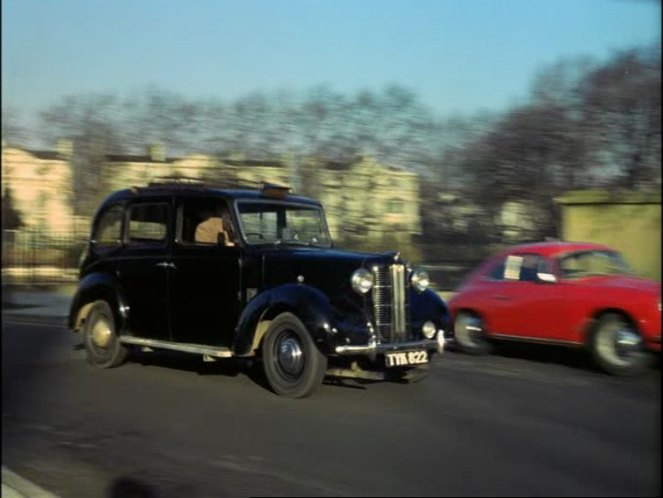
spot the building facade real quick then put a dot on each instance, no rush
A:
(363, 198)
(369, 200)
(39, 183)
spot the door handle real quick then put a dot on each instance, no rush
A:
(166, 264)
(501, 297)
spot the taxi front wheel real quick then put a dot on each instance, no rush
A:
(293, 365)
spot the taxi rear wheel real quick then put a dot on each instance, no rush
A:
(102, 343)
(292, 363)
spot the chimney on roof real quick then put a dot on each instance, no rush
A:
(65, 148)
(157, 152)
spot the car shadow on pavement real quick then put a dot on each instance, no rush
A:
(129, 487)
(230, 367)
(576, 358)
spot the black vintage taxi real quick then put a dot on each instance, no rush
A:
(243, 273)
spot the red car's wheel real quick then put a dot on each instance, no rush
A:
(617, 347)
(469, 333)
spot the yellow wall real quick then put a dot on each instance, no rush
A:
(628, 222)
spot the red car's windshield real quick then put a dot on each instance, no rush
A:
(581, 264)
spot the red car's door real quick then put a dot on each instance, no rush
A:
(493, 296)
(523, 305)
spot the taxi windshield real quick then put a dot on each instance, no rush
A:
(283, 223)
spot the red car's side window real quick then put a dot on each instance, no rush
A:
(496, 272)
(519, 267)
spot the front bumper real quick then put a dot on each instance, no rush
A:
(654, 343)
(373, 348)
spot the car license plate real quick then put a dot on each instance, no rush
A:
(404, 358)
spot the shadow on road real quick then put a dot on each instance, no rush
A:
(129, 487)
(578, 359)
(544, 353)
(230, 367)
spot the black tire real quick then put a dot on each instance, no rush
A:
(470, 334)
(102, 343)
(617, 347)
(292, 363)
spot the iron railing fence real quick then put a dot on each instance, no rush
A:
(35, 257)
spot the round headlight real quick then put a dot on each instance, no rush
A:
(420, 280)
(429, 330)
(362, 281)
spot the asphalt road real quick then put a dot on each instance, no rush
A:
(523, 422)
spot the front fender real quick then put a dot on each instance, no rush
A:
(426, 306)
(94, 287)
(309, 304)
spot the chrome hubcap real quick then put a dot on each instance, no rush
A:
(290, 356)
(470, 329)
(626, 343)
(101, 334)
(622, 346)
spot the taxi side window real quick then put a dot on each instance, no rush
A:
(148, 223)
(205, 222)
(108, 232)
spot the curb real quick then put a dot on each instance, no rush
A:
(27, 319)
(15, 486)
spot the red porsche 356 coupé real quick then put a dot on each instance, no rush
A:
(573, 294)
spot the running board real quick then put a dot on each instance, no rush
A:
(216, 352)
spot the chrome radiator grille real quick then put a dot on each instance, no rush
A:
(391, 304)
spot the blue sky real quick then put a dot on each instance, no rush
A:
(459, 56)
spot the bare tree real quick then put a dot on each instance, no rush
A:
(622, 116)
(13, 130)
(88, 121)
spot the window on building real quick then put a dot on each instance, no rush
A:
(42, 201)
(395, 206)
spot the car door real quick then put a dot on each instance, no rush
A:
(205, 280)
(143, 271)
(495, 294)
(528, 307)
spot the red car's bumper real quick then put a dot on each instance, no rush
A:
(654, 343)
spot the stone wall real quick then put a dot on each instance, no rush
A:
(628, 221)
